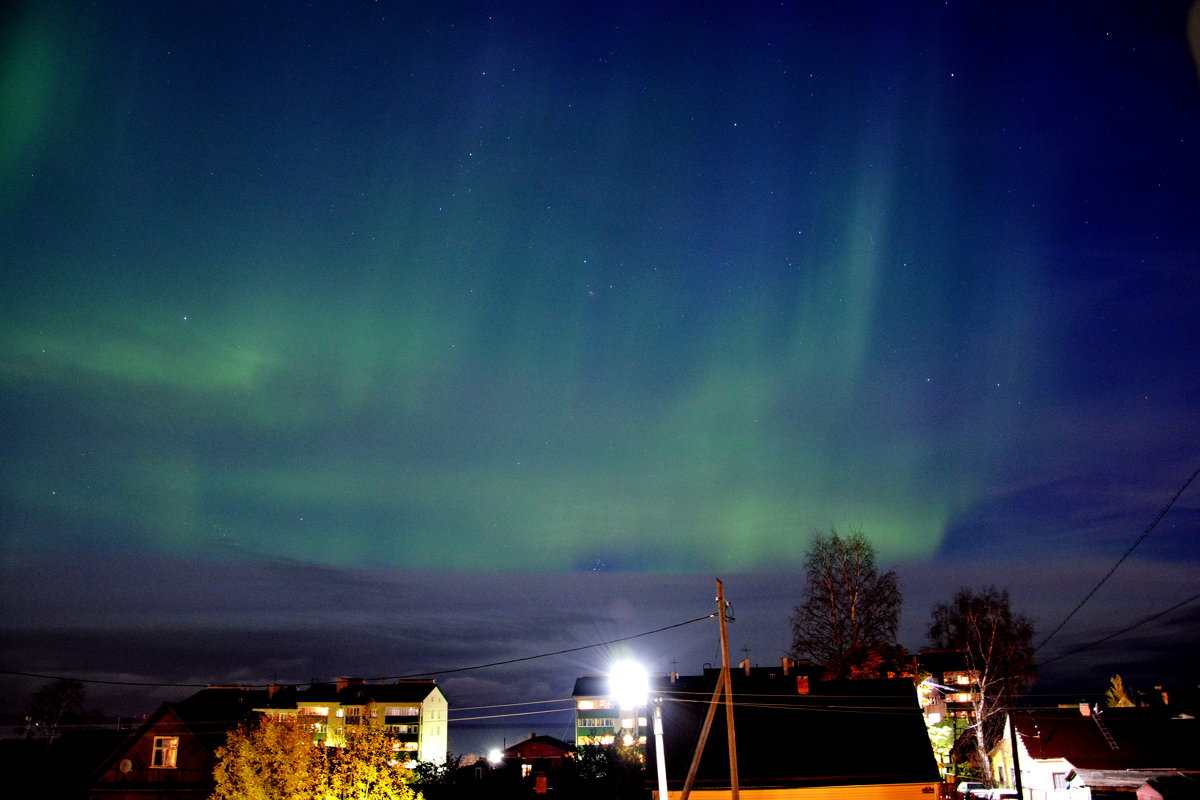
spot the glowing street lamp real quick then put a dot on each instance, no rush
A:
(629, 685)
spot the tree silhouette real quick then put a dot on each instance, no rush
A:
(850, 613)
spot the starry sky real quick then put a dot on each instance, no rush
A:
(523, 320)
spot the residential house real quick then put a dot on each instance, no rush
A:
(416, 711)
(540, 758)
(172, 754)
(796, 736)
(1080, 752)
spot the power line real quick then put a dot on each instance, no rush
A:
(1121, 560)
(386, 677)
(1115, 634)
(542, 655)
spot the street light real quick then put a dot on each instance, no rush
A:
(629, 685)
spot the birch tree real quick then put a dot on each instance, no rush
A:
(998, 648)
(850, 612)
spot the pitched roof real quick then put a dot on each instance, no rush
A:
(786, 739)
(538, 746)
(1141, 738)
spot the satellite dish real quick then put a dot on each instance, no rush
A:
(126, 765)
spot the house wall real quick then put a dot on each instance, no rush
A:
(896, 791)
(1037, 775)
(434, 737)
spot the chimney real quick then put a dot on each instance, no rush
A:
(787, 665)
(801, 684)
(272, 690)
(1085, 710)
(674, 676)
(744, 664)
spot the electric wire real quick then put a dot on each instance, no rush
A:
(1126, 629)
(386, 677)
(1121, 560)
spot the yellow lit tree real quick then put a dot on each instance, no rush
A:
(269, 760)
(278, 760)
(367, 767)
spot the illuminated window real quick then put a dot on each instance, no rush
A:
(960, 697)
(641, 722)
(628, 740)
(627, 722)
(963, 680)
(166, 749)
(401, 711)
(607, 739)
(586, 705)
(353, 711)
(341, 712)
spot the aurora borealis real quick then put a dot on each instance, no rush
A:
(553, 288)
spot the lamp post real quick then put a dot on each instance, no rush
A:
(629, 685)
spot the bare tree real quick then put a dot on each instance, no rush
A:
(51, 704)
(998, 647)
(851, 612)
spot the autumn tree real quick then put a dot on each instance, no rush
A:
(1117, 695)
(367, 767)
(850, 613)
(998, 648)
(278, 760)
(269, 760)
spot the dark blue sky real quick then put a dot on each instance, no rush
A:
(544, 296)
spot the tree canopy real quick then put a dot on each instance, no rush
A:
(278, 760)
(851, 611)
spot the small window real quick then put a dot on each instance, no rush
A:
(166, 750)
(1060, 780)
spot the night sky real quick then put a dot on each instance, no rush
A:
(375, 338)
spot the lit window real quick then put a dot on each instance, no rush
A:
(963, 680)
(341, 713)
(627, 722)
(607, 739)
(641, 740)
(401, 711)
(628, 740)
(166, 749)
(586, 705)
(641, 722)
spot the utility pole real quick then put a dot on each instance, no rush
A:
(724, 686)
(722, 607)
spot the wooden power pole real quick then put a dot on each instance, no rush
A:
(724, 686)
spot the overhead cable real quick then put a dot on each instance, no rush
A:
(386, 677)
(1121, 560)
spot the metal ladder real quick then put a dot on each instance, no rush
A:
(1108, 737)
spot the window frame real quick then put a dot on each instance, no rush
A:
(165, 753)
